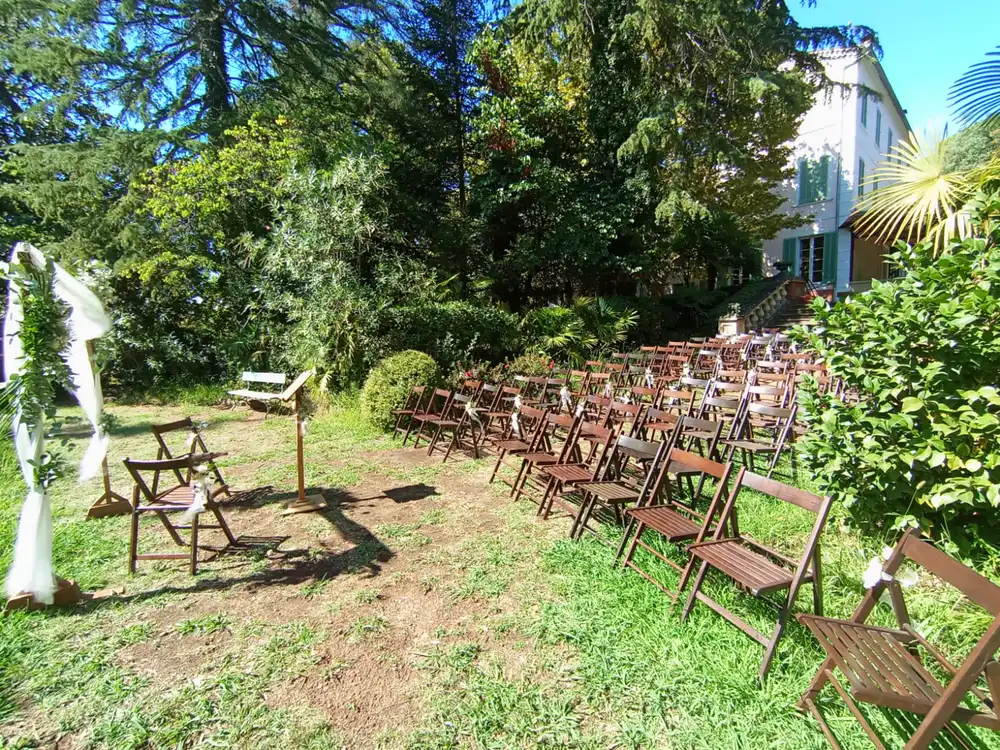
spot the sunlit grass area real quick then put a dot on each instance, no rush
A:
(422, 609)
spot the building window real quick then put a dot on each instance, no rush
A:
(814, 179)
(864, 110)
(811, 258)
(888, 144)
(878, 127)
(861, 177)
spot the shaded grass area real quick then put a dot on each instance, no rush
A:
(564, 650)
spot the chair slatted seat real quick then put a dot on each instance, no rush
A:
(631, 475)
(887, 667)
(674, 521)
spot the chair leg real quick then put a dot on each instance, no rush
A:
(434, 439)
(694, 590)
(548, 497)
(133, 545)
(817, 583)
(772, 646)
(631, 548)
(496, 466)
(194, 544)
(629, 525)
(451, 446)
(587, 500)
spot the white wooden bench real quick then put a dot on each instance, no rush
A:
(260, 396)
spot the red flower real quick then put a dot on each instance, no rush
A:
(468, 374)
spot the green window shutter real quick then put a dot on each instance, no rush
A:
(861, 177)
(803, 180)
(878, 126)
(888, 144)
(822, 181)
(830, 257)
(864, 110)
(788, 253)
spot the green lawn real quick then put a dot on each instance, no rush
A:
(456, 619)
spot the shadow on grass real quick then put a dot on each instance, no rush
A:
(367, 553)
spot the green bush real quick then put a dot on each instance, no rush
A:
(923, 444)
(389, 382)
(451, 332)
(532, 365)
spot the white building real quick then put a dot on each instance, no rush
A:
(841, 140)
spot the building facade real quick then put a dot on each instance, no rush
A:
(842, 139)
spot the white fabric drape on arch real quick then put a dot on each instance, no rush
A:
(31, 569)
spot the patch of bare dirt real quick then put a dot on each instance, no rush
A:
(339, 567)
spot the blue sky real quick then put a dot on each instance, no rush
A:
(927, 44)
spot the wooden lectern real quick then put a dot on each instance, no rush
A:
(303, 503)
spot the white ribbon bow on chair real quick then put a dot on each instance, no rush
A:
(565, 402)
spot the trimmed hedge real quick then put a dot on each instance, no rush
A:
(390, 381)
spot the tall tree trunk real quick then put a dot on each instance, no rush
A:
(211, 39)
(459, 102)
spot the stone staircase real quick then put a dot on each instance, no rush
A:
(793, 311)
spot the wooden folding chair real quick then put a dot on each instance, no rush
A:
(657, 421)
(522, 436)
(576, 467)
(630, 476)
(774, 422)
(178, 498)
(674, 521)
(194, 443)
(624, 417)
(411, 405)
(758, 569)
(887, 667)
(461, 421)
(680, 403)
(470, 388)
(552, 447)
(437, 408)
(697, 387)
(646, 397)
(497, 416)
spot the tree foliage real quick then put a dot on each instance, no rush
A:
(292, 185)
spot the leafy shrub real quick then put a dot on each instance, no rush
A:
(589, 329)
(450, 332)
(532, 365)
(921, 446)
(390, 381)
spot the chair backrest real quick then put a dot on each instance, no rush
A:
(786, 493)
(269, 378)
(194, 443)
(680, 402)
(643, 395)
(731, 376)
(774, 366)
(621, 414)
(488, 396)
(439, 401)
(471, 388)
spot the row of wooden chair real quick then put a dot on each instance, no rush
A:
(624, 460)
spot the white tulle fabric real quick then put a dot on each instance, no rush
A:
(31, 569)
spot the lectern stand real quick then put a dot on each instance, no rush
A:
(303, 503)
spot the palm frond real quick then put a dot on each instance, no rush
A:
(917, 199)
(976, 95)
